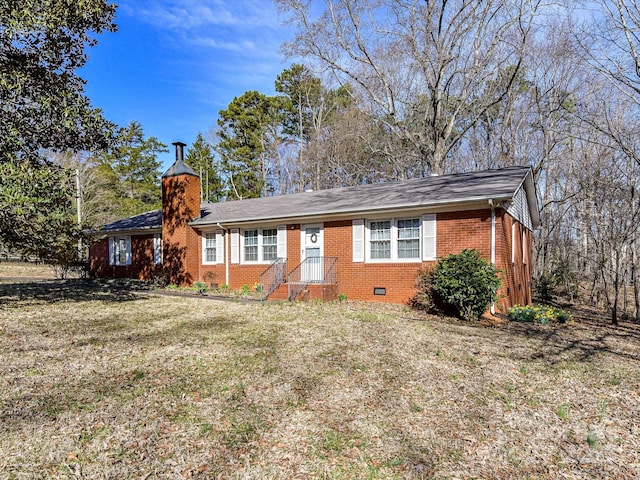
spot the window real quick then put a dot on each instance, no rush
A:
(409, 238)
(212, 248)
(210, 245)
(513, 242)
(157, 249)
(251, 245)
(380, 240)
(119, 251)
(262, 245)
(394, 240)
(270, 244)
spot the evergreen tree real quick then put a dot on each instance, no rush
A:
(200, 158)
(134, 164)
(247, 128)
(42, 100)
(43, 108)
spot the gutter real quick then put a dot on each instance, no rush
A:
(226, 253)
(493, 244)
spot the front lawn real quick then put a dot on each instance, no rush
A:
(100, 383)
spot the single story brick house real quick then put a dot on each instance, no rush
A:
(366, 242)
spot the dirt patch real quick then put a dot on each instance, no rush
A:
(116, 383)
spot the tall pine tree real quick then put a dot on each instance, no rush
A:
(133, 163)
(246, 131)
(200, 158)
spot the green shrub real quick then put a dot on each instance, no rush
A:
(245, 290)
(561, 281)
(541, 314)
(466, 284)
(200, 287)
(545, 287)
(342, 297)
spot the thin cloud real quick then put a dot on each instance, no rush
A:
(176, 15)
(238, 46)
(224, 25)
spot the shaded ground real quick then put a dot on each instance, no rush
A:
(98, 381)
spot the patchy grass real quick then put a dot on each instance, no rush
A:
(104, 383)
(13, 269)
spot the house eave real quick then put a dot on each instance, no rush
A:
(343, 214)
(127, 231)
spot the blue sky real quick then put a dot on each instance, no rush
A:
(174, 64)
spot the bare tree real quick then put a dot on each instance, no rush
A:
(430, 70)
(610, 44)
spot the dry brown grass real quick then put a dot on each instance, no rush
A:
(101, 383)
(13, 269)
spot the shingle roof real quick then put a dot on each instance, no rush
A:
(498, 184)
(501, 184)
(144, 221)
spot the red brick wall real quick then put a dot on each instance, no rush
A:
(516, 276)
(240, 274)
(142, 266)
(455, 231)
(180, 242)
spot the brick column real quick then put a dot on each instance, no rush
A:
(180, 205)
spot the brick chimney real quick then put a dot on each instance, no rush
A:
(180, 205)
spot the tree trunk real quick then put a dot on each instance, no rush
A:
(616, 289)
(634, 281)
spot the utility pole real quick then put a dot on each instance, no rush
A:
(79, 209)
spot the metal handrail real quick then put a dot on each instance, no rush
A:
(312, 270)
(273, 276)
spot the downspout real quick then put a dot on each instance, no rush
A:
(493, 244)
(226, 253)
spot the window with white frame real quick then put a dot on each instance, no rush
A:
(380, 239)
(394, 240)
(210, 248)
(120, 251)
(262, 245)
(408, 238)
(269, 244)
(250, 245)
(157, 249)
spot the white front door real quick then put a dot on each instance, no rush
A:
(312, 242)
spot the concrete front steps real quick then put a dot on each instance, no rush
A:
(325, 293)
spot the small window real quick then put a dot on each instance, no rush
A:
(210, 248)
(157, 249)
(251, 245)
(380, 240)
(122, 251)
(269, 244)
(119, 251)
(513, 242)
(409, 238)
